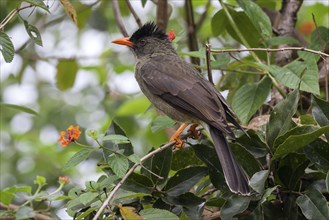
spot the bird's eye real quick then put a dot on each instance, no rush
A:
(142, 42)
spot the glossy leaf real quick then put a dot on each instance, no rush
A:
(118, 164)
(320, 111)
(66, 74)
(313, 205)
(138, 183)
(218, 23)
(20, 108)
(233, 206)
(257, 181)
(295, 142)
(280, 118)
(33, 32)
(88, 197)
(249, 98)
(7, 47)
(116, 139)
(184, 180)
(77, 158)
(160, 214)
(276, 41)
(267, 193)
(161, 164)
(257, 16)
(192, 205)
(209, 156)
(183, 158)
(318, 153)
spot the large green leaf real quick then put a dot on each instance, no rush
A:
(257, 16)
(138, 183)
(7, 47)
(313, 205)
(162, 122)
(295, 142)
(183, 158)
(218, 23)
(184, 180)
(151, 214)
(119, 164)
(137, 105)
(275, 41)
(318, 153)
(280, 118)
(209, 156)
(248, 99)
(233, 206)
(78, 157)
(257, 181)
(66, 73)
(320, 111)
(160, 165)
(192, 205)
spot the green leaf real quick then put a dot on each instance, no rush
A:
(6, 197)
(20, 108)
(33, 32)
(88, 197)
(184, 180)
(38, 3)
(209, 156)
(257, 16)
(161, 164)
(40, 180)
(85, 214)
(183, 158)
(318, 153)
(280, 118)
(218, 23)
(234, 205)
(199, 54)
(134, 106)
(276, 41)
(299, 130)
(257, 181)
(66, 73)
(138, 183)
(249, 98)
(267, 193)
(159, 214)
(77, 158)
(295, 142)
(161, 122)
(24, 212)
(320, 111)
(116, 139)
(118, 164)
(313, 205)
(192, 205)
(6, 47)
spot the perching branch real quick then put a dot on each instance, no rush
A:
(322, 54)
(12, 14)
(133, 12)
(208, 51)
(118, 18)
(162, 14)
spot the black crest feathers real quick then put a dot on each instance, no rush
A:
(148, 30)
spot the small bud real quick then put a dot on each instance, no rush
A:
(63, 180)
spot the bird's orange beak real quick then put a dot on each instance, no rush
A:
(123, 41)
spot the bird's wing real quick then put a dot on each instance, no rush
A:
(176, 84)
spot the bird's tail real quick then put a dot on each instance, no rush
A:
(235, 177)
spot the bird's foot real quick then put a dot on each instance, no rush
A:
(175, 137)
(193, 132)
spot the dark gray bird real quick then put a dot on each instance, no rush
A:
(176, 88)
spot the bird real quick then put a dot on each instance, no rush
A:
(175, 87)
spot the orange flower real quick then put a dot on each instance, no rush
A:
(73, 133)
(63, 180)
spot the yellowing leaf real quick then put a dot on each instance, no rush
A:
(129, 213)
(70, 10)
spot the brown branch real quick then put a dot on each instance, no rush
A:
(286, 27)
(118, 17)
(162, 14)
(191, 33)
(208, 51)
(133, 12)
(322, 54)
(11, 15)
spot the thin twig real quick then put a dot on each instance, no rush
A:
(11, 15)
(208, 50)
(272, 50)
(162, 14)
(203, 16)
(133, 12)
(131, 170)
(15, 207)
(118, 18)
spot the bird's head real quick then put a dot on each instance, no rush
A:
(148, 40)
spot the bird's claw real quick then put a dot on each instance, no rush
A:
(179, 142)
